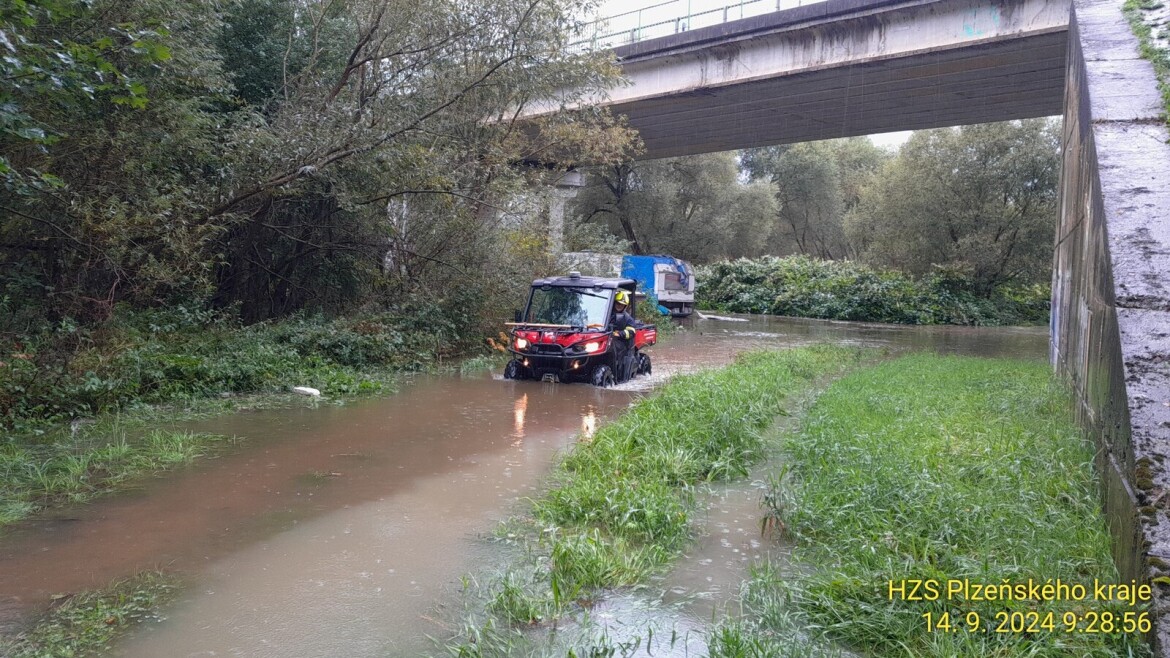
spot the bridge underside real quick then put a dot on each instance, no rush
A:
(977, 83)
(841, 68)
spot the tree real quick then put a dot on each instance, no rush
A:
(109, 149)
(980, 198)
(816, 185)
(400, 102)
(252, 152)
(691, 207)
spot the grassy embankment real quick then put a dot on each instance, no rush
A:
(933, 468)
(155, 357)
(620, 506)
(799, 286)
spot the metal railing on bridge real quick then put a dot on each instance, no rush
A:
(666, 18)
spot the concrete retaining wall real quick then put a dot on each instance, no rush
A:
(1111, 317)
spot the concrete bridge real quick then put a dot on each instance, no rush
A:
(841, 68)
(852, 67)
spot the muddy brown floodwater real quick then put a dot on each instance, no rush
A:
(337, 530)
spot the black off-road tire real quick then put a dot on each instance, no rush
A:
(515, 370)
(602, 376)
(644, 365)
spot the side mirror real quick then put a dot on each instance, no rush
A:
(518, 317)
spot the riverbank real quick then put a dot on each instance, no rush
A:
(71, 374)
(941, 470)
(69, 464)
(923, 469)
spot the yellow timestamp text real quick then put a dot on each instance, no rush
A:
(1092, 621)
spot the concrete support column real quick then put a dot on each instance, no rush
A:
(566, 188)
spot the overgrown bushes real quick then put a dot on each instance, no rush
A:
(800, 286)
(162, 356)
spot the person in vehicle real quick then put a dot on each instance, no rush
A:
(623, 329)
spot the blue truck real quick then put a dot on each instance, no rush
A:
(671, 280)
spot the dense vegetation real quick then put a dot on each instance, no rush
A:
(178, 355)
(243, 161)
(841, 290)
(181, 179)
(932, 467)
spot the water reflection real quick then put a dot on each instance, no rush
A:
(589, 424)
(518, 416)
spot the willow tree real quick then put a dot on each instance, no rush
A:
(980, 199)
(692, 207)
(817, 185)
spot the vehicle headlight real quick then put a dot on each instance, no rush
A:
(592, 347)
(521, 343)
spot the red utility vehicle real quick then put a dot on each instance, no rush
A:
(566, 333)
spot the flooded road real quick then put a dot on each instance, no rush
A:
(336, 530)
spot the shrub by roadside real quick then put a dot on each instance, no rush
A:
(800, 286)
(940, 468)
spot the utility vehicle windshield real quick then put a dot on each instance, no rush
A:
(576, 307)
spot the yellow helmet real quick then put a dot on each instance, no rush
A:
(622, 297)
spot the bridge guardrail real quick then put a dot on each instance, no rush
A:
(666, 18)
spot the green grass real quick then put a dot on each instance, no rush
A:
(35, 476)
(1158, 55)
(87, 624)
(619, 507)
(933, 467)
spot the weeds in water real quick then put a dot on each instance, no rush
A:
(933, 467)
(88, 623)
(517, 602)
(35, 476)
(483, 362)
